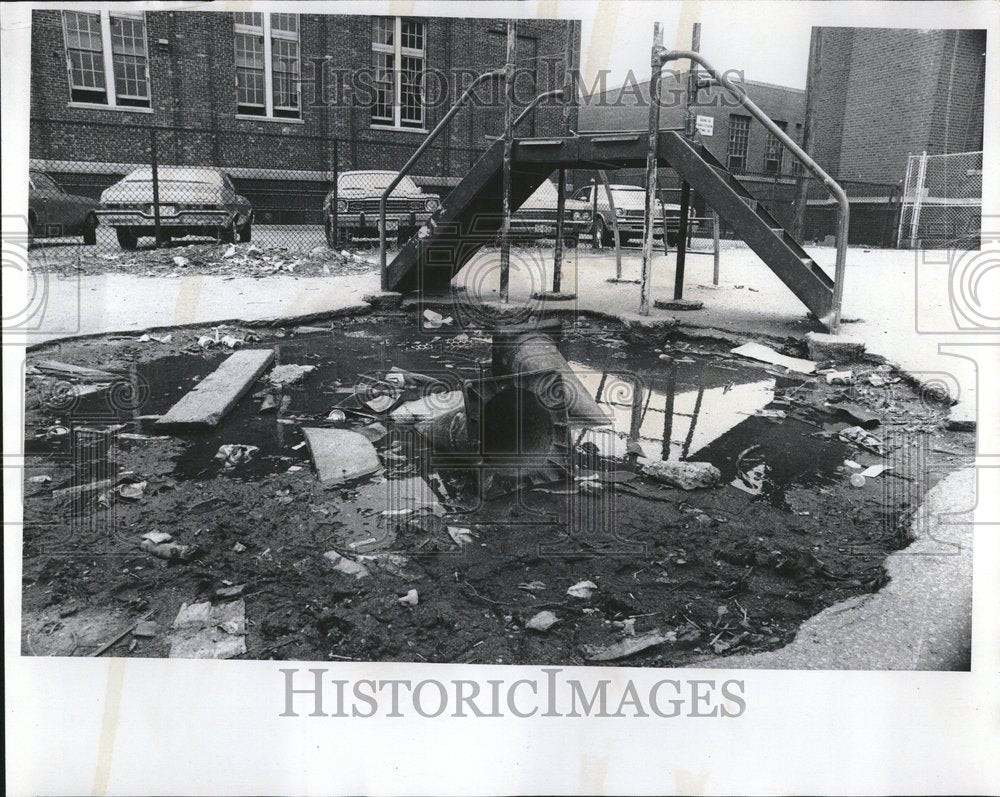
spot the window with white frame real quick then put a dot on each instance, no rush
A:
(268, 63)
(103, 43)
(399, 49)
(739, 135)
(773, 151)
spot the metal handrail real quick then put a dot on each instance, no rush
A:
(496, 73)
(534, 103)
(843, 214)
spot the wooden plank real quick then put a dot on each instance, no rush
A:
(213, 397)
(340, 455)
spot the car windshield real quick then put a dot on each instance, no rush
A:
(175, 175)
(43, 182)
(628, 195)
(377, 181)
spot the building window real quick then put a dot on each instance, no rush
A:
(398, 55)
(773, 151)
(106, 43)
(268, 63)
(739, 134)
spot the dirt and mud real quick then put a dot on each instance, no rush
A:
(675, 575)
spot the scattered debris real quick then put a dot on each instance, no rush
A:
(429, 407)
(239, 547)
(838, 348)
(337, 416)
(751, 481)
(146, 629)
(874, 470)
(542, 621)
(233, 454)
(346, 566)
(146, 338)
(461, 536)
(44, 479)
(582, 589)
(757, 351)
(284, 375)
(856, 413)
(866, 440)
(157, 537)
(409, 599)
(170, 551)
(839, 377)
(685, 475)
(770, 414)
(121, 635)
(204, 631)
(56, 368)
(628, 647)
(133, 491)
(434, 320)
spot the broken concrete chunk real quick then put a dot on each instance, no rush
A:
(146, 629)
(288, 374)
(542, 621)
(582, 589)
(839, 348)
(346, 566)
(461, 536)
(757, 351)
(686, 475)
(409, 599)
(628, 647)
(340, 455)
(157, 537)
(204, 631)
(856, 413)
(212, 398)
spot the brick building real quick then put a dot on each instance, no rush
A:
(266, 95)
(881, 94)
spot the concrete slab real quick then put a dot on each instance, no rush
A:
(213, 397)
(340, 454)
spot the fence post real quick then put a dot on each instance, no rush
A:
(560, 212)
(594, 242)
(715, 248)
(508, 146)
(918, 196)
(614, 222)
(154, 170)
(652, 158)
(335, 210)
(682, 241)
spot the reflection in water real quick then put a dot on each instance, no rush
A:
(672, 418)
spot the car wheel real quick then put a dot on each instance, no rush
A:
(90, 230)
(570, 242)
(246, 232)
(227, 235)
(127, 239)
(601, 237)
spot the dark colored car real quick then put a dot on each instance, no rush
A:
(358, 197)
(630, 209)
(536, 218)
(194, 200)
(53, 213)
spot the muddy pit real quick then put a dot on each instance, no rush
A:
(732, 568)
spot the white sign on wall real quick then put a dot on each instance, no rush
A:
(704, 124)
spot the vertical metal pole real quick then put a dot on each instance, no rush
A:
(918, 196)
(802, 184)
(682, 242)
(154, 169)
(652, 157)
(663, 202)
(715, 248)
(614, 223)
(335, 221)
(595, 242)
(560, 212)
(508, 146)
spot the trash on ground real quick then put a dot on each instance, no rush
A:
(233, 454)
(40, 479)
(170, 551)
(158, 338)
(336, 416)
(685, 475)
(532, 586)
(434, 320)
(856, 413)
(461, 536)
(866, 440)
(582, 589)
(56, 368)
(628, 647)
(268, 404)
(239, 547)
(133, 491)
(839, 377)
(874, 470)
(770, 414)
(233, 591)
(346, 566)
(542, 621)
(340, 455)
(761, 353)
(429, 407)
(231, 342)
(751, 481)
(204, 631)
(411, 598)
(157, 537)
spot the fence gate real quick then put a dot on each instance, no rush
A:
(942, 201)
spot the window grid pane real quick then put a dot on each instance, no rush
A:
(773, 151)
(83, 43)
(411, 91)
(285, 24)
(249, 19)
(128, 47)
(739, 133)
(384, 65)
(383, 30)
(285, 73)
(249, 70)
(412, 34)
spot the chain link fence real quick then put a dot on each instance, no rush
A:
(942, 201)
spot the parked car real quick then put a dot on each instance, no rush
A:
(630, 205)
(194, 200)
(54, 213)
(358, 196)
(536, 218)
